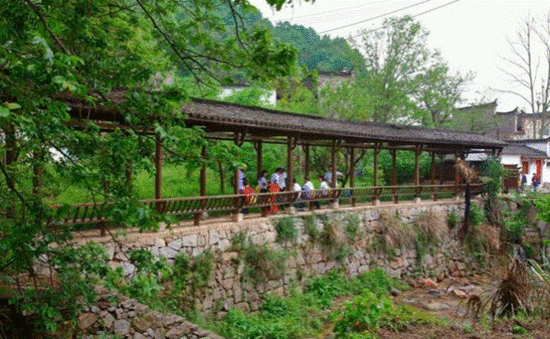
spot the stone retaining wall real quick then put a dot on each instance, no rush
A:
(129, 319)
(232, 287)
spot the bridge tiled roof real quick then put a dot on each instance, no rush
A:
(217, 115)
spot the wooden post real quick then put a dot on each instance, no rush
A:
(158, 173)
(376, 151)
(237, 204)
(457, 174)
(258, 147)
(306, 151)
(352, 173)
(289, 163)
(291, 144)
(394, 175)
(418, 151)
(202, 189)
(432, 177)
(333, 161)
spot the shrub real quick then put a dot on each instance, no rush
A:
(476, 215)
(452, 220)
(334, 242)
(352, 227)
(286, 230)
(393, 234)
(310, 224)
(263, 263)
(429, 226)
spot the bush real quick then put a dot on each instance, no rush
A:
(310, 222)
(476, 215)
(286, 230)
(452, 220)
(394, 234)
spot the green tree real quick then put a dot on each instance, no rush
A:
(111, 55)
(405, 79)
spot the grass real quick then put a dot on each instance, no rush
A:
(301, 314)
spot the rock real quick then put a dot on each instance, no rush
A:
(433, 292)
(86, 320)
(190, 240)
(214, 237)
(395, 292)
(122, 327)
(110, 251)
(429, 283)
(142, 322)
(176, 332)
(167, 252)
(128, 268)
(436, 306)
(108, 319)
(452, 267)
(226, 256)
(460, 294)
(175, 245)
(160, 242)
(139, 336)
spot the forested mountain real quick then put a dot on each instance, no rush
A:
(315, 51)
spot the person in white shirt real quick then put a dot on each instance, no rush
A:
(275, 177)
(324, 185)
(282, 179)
(308, 188)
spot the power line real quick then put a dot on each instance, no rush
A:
(412, 16)
(376, 17)
(333, 11)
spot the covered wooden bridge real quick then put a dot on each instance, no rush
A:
(226, 121)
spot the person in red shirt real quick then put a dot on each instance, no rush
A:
(275, 189)
(250, 195)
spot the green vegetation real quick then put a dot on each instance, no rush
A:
(300, 314)
(367, 312)
(286, 230)
(261, 262)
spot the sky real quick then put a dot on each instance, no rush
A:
(471, 35)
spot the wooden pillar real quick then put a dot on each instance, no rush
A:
(394, 175)
(417, 153)
(376, 152)
(158, 173)
(259, 160)
(375, 165)
(306, 151)
(333, 151)
(441, 157)
(202, 189)
(432, 177)
(352, 173)
(457, 174)
(289, 163)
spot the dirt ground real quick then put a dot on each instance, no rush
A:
(451, 300)
(454, 299)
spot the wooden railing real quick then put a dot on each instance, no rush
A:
(97, 213)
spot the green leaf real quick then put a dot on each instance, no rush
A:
(4, 112)
(13, 106)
